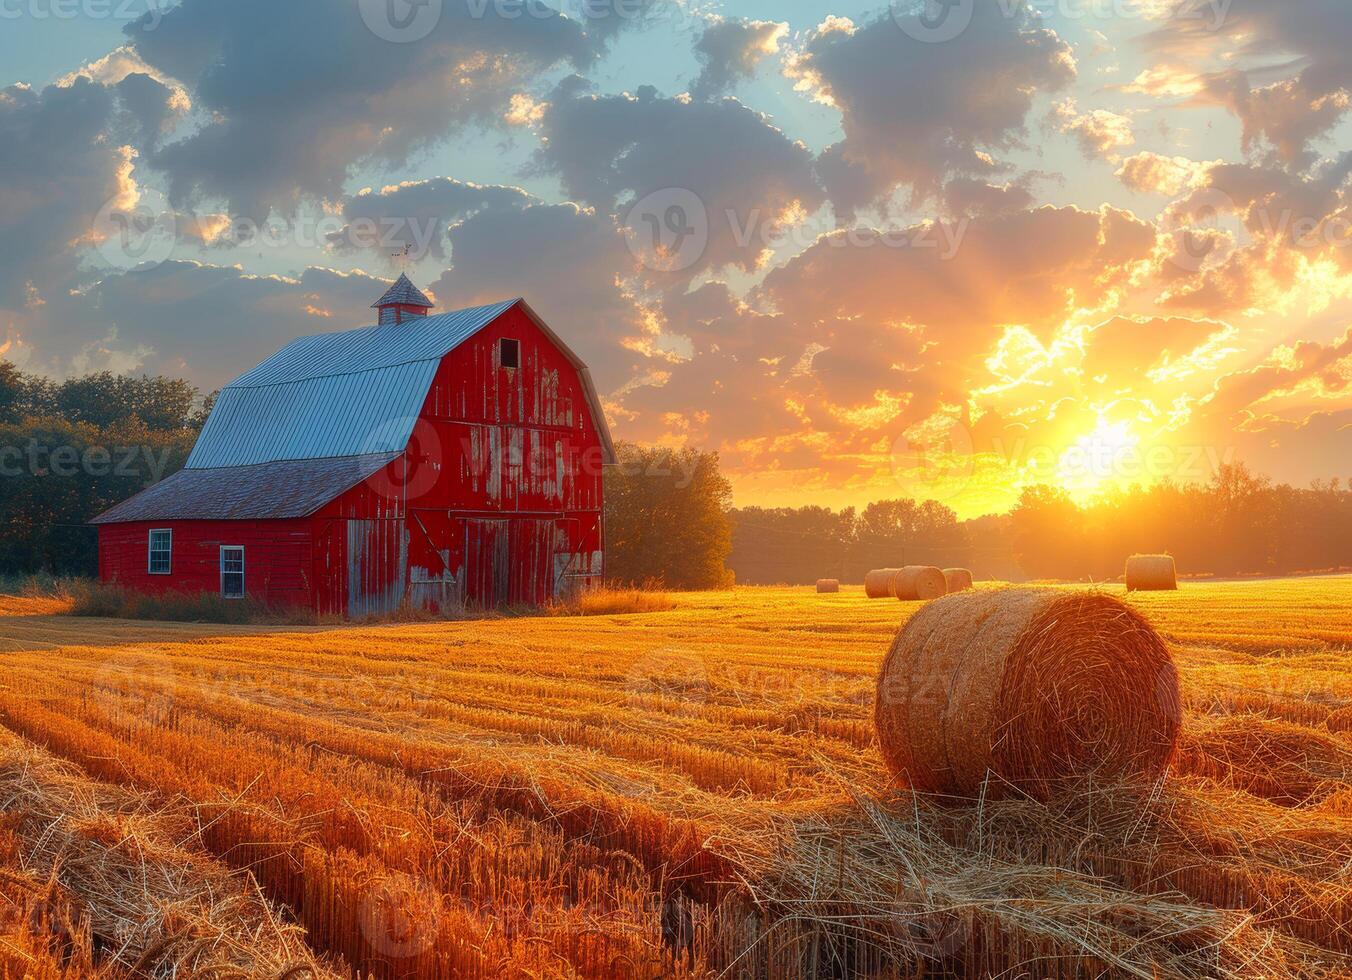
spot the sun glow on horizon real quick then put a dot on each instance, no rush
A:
(1099, 460)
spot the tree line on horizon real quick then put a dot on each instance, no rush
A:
(1238, 523)
(670, 518)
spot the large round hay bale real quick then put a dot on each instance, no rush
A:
(878, 583)
(1151, 573)
(1039, 688)
(919, 582)
(957, 579)
(827, 585)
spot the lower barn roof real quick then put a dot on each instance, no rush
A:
(264, 491)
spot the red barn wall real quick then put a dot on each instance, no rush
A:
(278, 565)
(499, 496)
(498, 500)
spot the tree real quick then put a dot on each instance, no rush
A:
(1048, 533)
(12, 393)
(667, 518)
(70, 450)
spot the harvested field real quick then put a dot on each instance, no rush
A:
(698, 792)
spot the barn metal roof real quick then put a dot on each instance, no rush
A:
(337, 394)
(403, 291)
(351, 393)
(243, 493)
(305, 425)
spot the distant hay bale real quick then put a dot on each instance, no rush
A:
(1039, 688)
(919, 582)
(827, 585)
(878, 583)
(1151, 573)
(957, 579)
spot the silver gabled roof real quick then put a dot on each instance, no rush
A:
(247, 493)
(354, 393)
(403, 291)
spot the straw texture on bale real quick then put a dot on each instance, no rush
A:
(1151, 573)
(919, 582)
(957, 579)
(1041, 689)
(827, 585)
(878, 583)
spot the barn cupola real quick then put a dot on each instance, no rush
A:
(402, 301)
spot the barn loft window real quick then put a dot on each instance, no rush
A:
(161, 551)
(232, 572)
(511, 352)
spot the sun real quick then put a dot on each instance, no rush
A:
(1098, 459)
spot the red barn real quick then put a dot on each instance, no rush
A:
(441, 461)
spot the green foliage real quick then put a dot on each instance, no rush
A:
(666, 518)
(70, 450)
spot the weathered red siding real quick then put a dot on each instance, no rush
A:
(277, 558)
(499, 496)
(498, 499)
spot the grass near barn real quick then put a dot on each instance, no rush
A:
(689, 791)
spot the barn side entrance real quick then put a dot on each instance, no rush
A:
(487, 563)
(377, 559)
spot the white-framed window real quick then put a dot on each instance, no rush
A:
(509, 352)
(232, 571)
(161, 557)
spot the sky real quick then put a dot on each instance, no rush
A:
(944, 249)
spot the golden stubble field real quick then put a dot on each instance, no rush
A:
(694, 792)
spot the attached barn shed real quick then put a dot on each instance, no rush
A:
(440, 461)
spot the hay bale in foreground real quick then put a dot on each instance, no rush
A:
(827, 586)
(1040, 688)
(1151, 573)
(878, 583)
(919, 582)
(957, 579)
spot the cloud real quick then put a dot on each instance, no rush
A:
(1126, 348)
(1100, 133)
(293, 95)
(1282, 69)
(730, 50)
(916, 113)
(207, 323)
(416, 215)
(1299, 238)
(748, 179)
(861, 338)
(67, 155)
(973, 198)
(1151, 173)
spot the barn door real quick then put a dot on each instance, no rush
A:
(534, 545)
(487, 563)
(377, 562)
